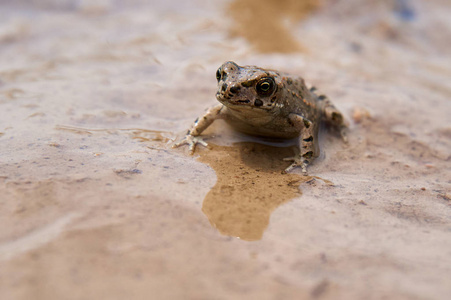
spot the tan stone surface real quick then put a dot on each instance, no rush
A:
(95, 204)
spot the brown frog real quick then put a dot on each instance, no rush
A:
(268, 103)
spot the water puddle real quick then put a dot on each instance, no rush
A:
(249, 188)
(250, 184)
(263, 23)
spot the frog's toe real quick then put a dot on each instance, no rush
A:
(201, 141)
(191, 141)
(293, 158)
(181, 143)
(297, 162)
(178, 144)
(295, 165)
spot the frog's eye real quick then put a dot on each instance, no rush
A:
(265, 86)
(218, 74)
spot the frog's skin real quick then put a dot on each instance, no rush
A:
(267, 103)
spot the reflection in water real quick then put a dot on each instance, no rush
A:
(263, 22)
(250, 186)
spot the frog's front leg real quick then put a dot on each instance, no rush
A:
(308, 143)
(192, 136)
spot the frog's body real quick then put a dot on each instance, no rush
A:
(267, 103)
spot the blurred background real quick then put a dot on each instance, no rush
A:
(94, 202)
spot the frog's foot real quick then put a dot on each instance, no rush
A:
(298, 161)
(191, 141)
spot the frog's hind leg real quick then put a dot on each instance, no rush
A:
(308, 144)
(333, 116)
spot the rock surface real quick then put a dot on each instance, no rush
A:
(95, 204)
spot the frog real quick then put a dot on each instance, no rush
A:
(271, 104)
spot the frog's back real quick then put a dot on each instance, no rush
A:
(299, 99)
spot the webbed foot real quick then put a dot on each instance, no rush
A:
(191, 141)
(298, 161)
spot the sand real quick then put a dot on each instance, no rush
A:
(96, 204)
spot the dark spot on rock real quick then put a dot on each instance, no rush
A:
(312, 89)
(258, 102)
(322, 97)
(320, 289)
(355, 47)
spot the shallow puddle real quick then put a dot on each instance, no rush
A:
(250, 186)
(265, 24)
(250, 183)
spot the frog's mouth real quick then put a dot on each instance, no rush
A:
(243, 101)
(237, 104)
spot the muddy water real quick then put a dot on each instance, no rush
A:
(94, 202)
(266, 24)
(250, 186)
(250, 183)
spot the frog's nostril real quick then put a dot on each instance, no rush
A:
(234, 89)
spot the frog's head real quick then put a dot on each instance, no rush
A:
(247, 87)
